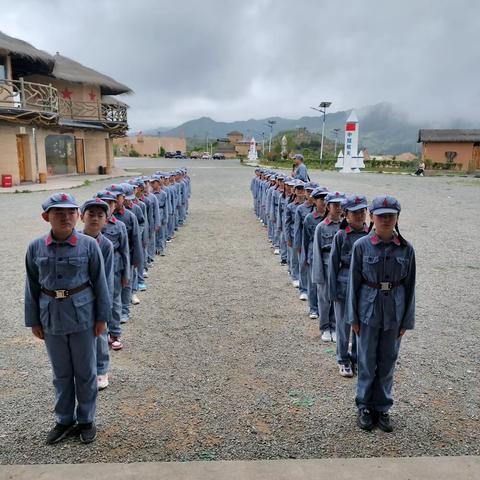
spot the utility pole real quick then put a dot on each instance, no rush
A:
(206, 149)
(270, 123)
(263, 144)
(322, 109)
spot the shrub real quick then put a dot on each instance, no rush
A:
(133, 153)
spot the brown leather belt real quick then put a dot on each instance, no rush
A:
(61, 294)
(383, 286)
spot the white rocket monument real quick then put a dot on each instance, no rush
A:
(252, 152)
(350, 160)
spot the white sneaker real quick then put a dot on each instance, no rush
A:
(303, 297)
(296, 283)
(276, 251)
(326, 336)
(345, 371)
(145, 274)
(313, 316)
(102, 381)
(135, 299)
(334, 336)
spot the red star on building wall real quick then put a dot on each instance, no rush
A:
(92, 95)
(67, 94)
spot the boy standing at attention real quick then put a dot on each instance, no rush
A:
(67, 304)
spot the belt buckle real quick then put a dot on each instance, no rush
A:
(385, 286)
(61, 294)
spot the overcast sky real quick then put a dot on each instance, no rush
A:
(241, 59)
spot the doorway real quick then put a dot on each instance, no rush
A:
(475, 163)
(21, 156)
(80, 155)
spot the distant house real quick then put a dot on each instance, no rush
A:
(451, 146)
(147, 145)
(234, 145)
(57, 116)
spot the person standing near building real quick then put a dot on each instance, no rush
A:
(300, 169)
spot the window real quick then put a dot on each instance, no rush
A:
(60, 152)
(3, 68)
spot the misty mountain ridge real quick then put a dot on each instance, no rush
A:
(382, 128)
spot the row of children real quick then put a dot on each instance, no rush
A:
(80, 284)
(354, 276)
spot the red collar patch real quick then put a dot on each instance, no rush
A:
(328, 221)
(112, 219)
(349, 229)
(72, 240)
(121, 211)
(316, 214)
(396, 240)
(374, 239)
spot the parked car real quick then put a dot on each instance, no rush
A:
(218, 156)
(206, 156)
(169, 154)
(179, 154)
(195, 154)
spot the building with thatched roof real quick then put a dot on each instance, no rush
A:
(57, 116)
(461, 147)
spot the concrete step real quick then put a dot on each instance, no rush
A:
(415, 468)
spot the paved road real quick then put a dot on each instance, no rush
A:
(221, 361)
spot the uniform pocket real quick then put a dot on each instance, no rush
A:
(403, 262)
(44, 303)
(83, 303)
(43, 266)
(77, 261)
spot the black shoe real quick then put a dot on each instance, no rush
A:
(283, 262)
(59, 432)
(88, 432)
(365, 419)
(384, 422)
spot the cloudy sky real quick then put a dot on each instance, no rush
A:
(234, 60)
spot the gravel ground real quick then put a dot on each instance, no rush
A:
(221, 360)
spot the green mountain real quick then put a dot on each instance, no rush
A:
(382, 128)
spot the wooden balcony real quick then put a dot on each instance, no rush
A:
(27, 102)
(108, 113)
(21, 98)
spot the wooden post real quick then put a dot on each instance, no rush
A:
(22, 92)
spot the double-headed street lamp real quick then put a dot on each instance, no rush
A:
(322, 108)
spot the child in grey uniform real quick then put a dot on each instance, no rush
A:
(351, 229)
(67, 304)
(322, 244)
(380, 307)
(94, 215)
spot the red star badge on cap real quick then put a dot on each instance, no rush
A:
(64, 197)
(385, 202)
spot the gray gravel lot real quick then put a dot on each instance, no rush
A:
(221, 360)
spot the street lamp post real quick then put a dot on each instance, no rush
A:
(336, 131)
(206, 149)
(270, 123)
(322, 109)
(263, 144)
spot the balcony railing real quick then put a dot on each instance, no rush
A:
(96, 111)
(22, 95)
